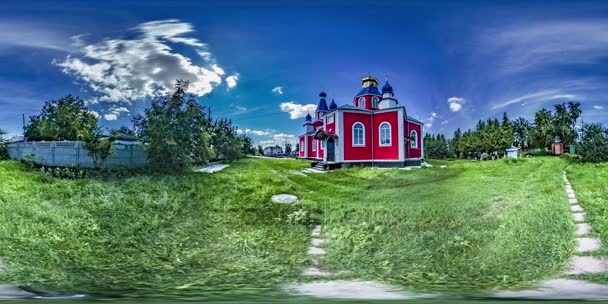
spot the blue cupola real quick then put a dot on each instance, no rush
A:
(308, 117)
(332, 105)
(322, 107)
(387, 88)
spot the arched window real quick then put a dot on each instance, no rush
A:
(375, 102)
(385, 134)
(362, 102)
(414, 139)
(314, 145)
(358, 134)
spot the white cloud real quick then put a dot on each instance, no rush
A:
(95, 113)
(297, 110)
(278, 90)
(111, 116)
(535, 44)
(429, 121)
(445, 122)
(598, 107)
(20, 34)
(115, 112)
(127, 69)
(232, 80)
(455, 103)
(546, 95)
(254, 132)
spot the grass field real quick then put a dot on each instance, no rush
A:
(590, 182)
(470, 227)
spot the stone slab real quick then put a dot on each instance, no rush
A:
(578, 217)
(284, 198)
(359, 290)
(576, 208)
(316, 231)
(571, 195)
(587, 265)
(559, 289)
(582, 229)
(317, 242)
(14, 292)
(315, 250)
(315, 272)
(586, 244)
(572, 201)
(212, 168)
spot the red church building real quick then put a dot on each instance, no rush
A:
(374, 131)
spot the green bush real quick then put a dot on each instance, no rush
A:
(593, 146)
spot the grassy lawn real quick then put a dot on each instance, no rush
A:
(590, 183)
(472, 226)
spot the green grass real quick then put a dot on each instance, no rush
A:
(470, 227)
(590, 183)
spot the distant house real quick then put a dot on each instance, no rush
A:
(273, 151)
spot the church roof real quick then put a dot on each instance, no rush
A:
(410, 118)
(333, 105)
(322, 106)
(369, 90)
(387, 88)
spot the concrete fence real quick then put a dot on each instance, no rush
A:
(72, 153)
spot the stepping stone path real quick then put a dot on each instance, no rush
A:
(341, 289)
(584, 243)
(567, 289)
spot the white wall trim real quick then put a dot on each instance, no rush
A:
(340, 142)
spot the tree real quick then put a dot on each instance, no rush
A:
(260, 150)
(521, 133)
(3, 148)
(287, 149)
(174, 130)
(97, 146)
(224, 140)
(123, 131)
(456, 142)
(435, 146)
(542, 135)
(298, 147)
(247, 142)
(593, 146)
(63, 119)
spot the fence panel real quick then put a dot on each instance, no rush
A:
(72, 153)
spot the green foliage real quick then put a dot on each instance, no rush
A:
(3, 148)
(174, 130)
(63, 119)
(593, 146)
(287, 149)
(221, 235)
(97, 146)
(436, 146)
(260, 150)
(225, 141)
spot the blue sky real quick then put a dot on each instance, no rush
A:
(263, 63)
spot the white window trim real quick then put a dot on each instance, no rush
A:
(302, 146)
(414, 143)
(363, 130)
(390, 134)
(359, 103)
(376, 104)
(314, 145)
(330, 119)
